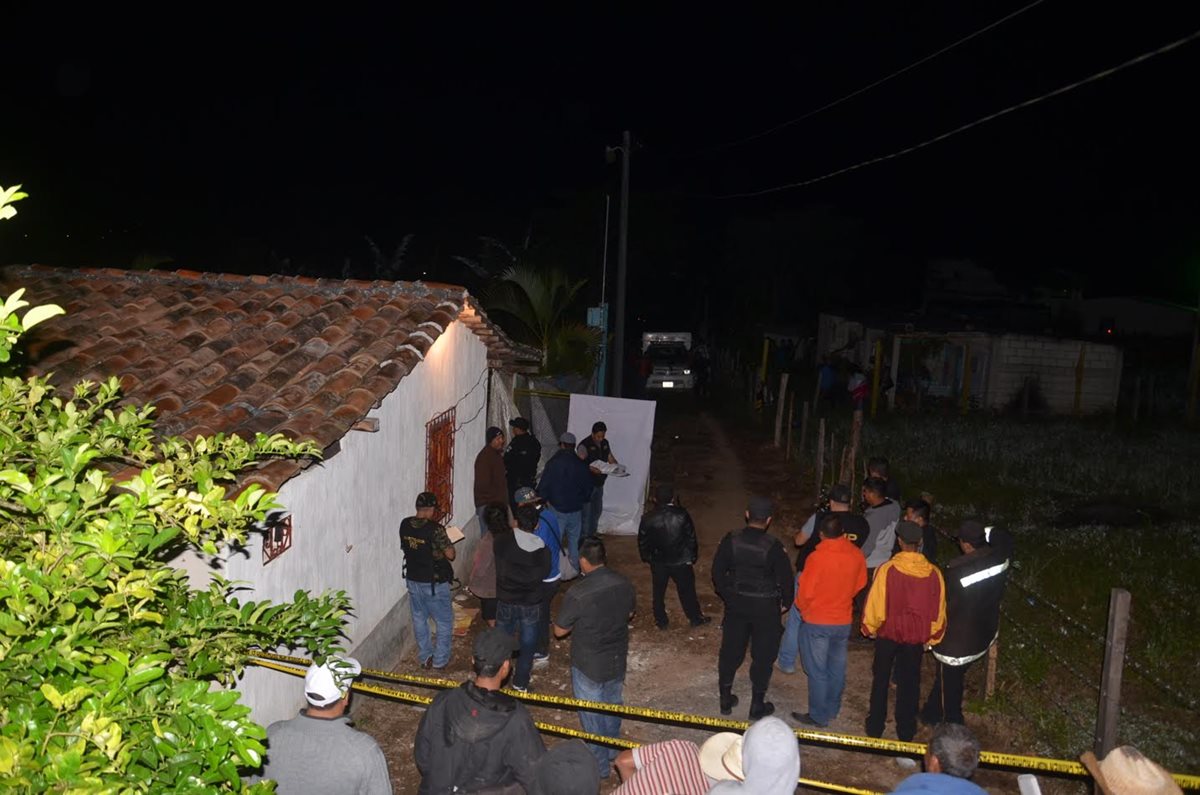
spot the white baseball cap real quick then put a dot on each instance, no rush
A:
(325, 684)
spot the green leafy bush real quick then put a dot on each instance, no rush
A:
(114, 673)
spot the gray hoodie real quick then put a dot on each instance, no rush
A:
(770, 761)
(882, 520)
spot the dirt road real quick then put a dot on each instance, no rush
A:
(675, 669)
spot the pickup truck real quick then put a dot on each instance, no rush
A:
(670, 355)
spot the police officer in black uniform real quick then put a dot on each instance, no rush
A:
(428, 575)
(522, 457)
(975, 582)
(752, 574)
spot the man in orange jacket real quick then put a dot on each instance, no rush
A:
(834, 572)
(906, 614)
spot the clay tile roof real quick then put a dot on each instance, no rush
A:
(223, 353)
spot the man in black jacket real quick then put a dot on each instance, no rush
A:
(752, 573)
(522, 457)
(474, 737)
(975, 582)
(917, 512)
(522, 562)
(667, 541)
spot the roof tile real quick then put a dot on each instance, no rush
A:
(224, 353)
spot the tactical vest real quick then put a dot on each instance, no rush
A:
(596, 452)
(417, 542)
(752, 574)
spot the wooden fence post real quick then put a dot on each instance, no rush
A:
(820, 452)
(1110, 676)
(989, 688)
(875, 377)
(966, 384)
(783, 379)
(791, 420)
(855, 439)
(1080, 368)
(803, 427)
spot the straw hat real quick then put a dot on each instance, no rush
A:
(721, 757)
(1125, 771)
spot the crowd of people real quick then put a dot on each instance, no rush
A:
(873, 570)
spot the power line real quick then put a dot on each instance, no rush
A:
(867, 87)
(963, 128)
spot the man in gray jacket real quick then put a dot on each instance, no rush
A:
(317, 751)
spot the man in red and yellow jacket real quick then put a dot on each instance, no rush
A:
(833, 574)
(906, 614)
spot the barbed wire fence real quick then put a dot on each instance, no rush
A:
(1065, 677)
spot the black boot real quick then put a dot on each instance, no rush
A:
(728, 699)
(759, 707)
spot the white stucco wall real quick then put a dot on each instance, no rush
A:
(346, 511)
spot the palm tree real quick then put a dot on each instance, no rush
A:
(539, 303)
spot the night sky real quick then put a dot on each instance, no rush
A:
(229, 142)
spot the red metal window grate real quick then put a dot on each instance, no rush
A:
(439, 462)
(278, 537)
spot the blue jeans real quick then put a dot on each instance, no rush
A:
(482, 525)
(522, 622)
(823, 651)
(571, 525)
(592, 510)
(599, 722)
(436, 604)
(789, 647)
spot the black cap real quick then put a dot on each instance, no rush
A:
(427, 499)
(520, 422)
(599, 426)
(973, 532)
(840, 493)
(492, 433)
(910, 532)
(493, 646)
(760, 508)
(568, 768)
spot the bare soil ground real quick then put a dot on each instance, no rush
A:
(675, 669)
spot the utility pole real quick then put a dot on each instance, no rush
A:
(618, 380)
(1193, 381)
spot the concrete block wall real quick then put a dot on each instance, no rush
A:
(1053, 362)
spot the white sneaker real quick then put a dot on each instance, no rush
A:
(541, 659)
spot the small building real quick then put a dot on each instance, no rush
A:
(995, 370)
(394, 381)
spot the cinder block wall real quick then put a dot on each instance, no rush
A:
(1052, 362)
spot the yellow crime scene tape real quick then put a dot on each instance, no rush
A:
(549, 728)
(1020, 762)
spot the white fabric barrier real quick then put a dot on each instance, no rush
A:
(630, 433)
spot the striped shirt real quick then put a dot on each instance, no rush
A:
(667, 768)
